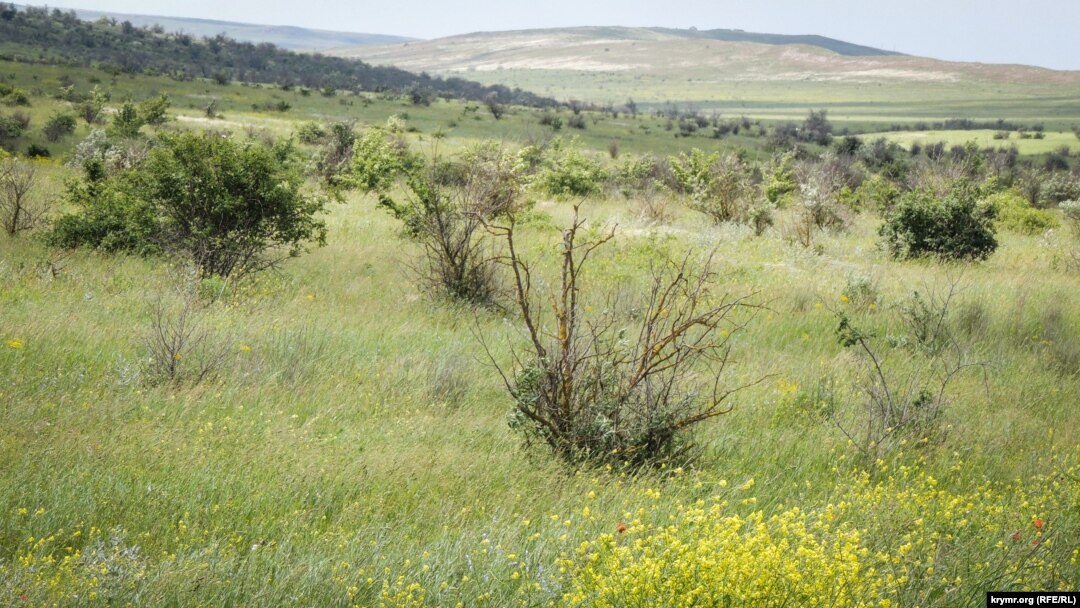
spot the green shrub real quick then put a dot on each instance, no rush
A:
(1071, 210)
(566, 172)
(126, 121)
(1014, 213)
(955, 227)
(59, 126)
(718, 186)
(154, 111)
(229, 207)
(111, 215)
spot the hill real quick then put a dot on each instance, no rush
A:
(762, 74)
(283, 36)
(38, 35)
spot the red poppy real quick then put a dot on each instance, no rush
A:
(1038, 523)
(1035, 543)
(24, 597)
(1016, 536)
(621, 527)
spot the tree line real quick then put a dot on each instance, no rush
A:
(61, 38)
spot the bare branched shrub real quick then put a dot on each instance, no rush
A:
(599, 387)
(928, 318)
(181, 347)
(20, 207)
(895, 407)
(654, 205)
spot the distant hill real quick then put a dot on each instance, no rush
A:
(284, 36)
(40, 35)
(718, 68)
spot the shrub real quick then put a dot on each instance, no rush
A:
(155, 111)
(20, 208)
(380, 157)
(590, 387)
(718, 186)
(955, 227)
(230, 208)
(1057, 188)
(1014, 213)
(566, 172)
(1071, 211)
(779, 185)
(447, 220)
(127, 122)
(12, 127)
(58, 127)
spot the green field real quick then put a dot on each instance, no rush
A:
(352, 446)
(984, 138)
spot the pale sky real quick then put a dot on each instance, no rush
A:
(1034, 32)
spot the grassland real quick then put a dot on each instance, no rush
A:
(1025, 144)
(353, 448)
(760, 80)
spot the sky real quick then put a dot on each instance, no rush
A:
(1033, 32)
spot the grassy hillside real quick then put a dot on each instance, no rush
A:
(37, 35)
(610, 65)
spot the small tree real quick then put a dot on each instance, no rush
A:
(19, 209)
(566, 172)
(494, 106)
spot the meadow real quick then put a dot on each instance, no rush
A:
(352, 446)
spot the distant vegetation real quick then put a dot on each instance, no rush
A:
(40, 35)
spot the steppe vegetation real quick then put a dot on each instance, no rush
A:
(389, 349)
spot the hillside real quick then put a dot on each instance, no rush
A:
(41, 36)
(283, 36)
(729, 69)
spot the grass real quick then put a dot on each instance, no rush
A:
(1027, 145)
(353, 447)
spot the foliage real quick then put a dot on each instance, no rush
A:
(1071, 211)
(717, 186)
(566, 172)
(1013, 212)
(955, 228)
(127, 122)
(780, 186)
(92, 106)
(58, 126)
(1061, 186)
(154, 111)
(707, 555)
(380, 157)
(334, 159)
(817, 128)
(230, 208)
(12, 127)
(448, 220)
